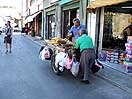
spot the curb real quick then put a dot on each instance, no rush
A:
(30, 38)
(126, 89)
(116, 69)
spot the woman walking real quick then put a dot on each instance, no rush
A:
(8, 37)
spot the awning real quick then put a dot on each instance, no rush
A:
(102, 3)
(72, 6)
(35, 14)
(64, 2)
(31, 17)
(51, 12)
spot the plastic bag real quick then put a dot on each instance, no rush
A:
(96, 66)
(41, 56)
(60, 60)
(45, 54)
(69, 62)
(75, 68)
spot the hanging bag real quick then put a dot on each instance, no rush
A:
(75, 68)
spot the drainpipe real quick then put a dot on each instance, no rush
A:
(87, 2)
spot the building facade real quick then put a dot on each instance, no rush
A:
(56, 17)
(112, 25)
(34, 16)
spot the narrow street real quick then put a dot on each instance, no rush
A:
(24, 76)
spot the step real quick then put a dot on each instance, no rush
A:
(117, 77)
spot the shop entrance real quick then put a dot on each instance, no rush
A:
(51, 27)
(117, 26)
(69, 15)
(38, 24)
(117, 33)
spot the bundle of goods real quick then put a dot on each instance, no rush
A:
(58, 40)
(128, 59)
(55, 41)
(112, 57)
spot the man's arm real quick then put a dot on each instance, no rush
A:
(77, 45)
(70, 33)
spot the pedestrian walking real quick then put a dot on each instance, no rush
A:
(8, 37)
(87, 59)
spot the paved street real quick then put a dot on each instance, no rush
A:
(24, 76)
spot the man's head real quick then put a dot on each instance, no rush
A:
(76, 22)
(82, 31)
(8, 23)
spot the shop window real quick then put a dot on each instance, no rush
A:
(117, 26)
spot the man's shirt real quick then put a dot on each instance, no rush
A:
(84, 42)
(74, 31)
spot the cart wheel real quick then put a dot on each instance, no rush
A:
(55, 69)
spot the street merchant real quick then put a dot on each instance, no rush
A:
(74, 31)
(87, 59)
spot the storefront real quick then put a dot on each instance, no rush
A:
(34, 21)
(113, 26)
(50, 27)
(38, 24)
(70, 10)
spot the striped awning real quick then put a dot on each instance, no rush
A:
(102, 3)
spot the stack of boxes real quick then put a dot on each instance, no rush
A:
(128, 59)
(113, 57)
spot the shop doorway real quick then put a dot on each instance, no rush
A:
(67, 20)
(39, 25)
(51, 27)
